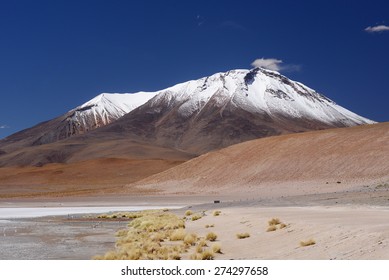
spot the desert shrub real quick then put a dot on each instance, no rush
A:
(282, 225)
(188, 212)
(190, 239)
(204, 255)
(199, 249)
(211, 236)
(196, 217)
(307, 243)
(208, 226)
(207, 255)
(216, 248)
(271, 228)
(274, 222)
(202, 243)
(217, 212)
(242, 235)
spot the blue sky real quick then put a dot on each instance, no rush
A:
(56, 55)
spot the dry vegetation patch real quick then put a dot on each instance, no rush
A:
(204, 255)
(243, 235)
(309, 242)
(159, 235)
(196, 217)
(146, 238)
(190, 239)
(271, 228)
(216, 248)
(274, 224)
(188, 212)
(211, 236)
(217, 213)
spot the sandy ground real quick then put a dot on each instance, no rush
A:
(349, 225)
(340, 232)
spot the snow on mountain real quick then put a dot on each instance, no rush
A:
(258, 91)
(104, 109)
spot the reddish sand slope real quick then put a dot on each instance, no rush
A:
(304, 163)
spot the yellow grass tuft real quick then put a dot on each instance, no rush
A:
(202, 243)
(217, 212)
(188, 212)
(196, 217)
(204, 255)
(190, 239)
(271, 228)
(199, 249)
(211, 236)
(243, 235)
(274, 222)
(309, 242)
(216, 248)
(207, 255)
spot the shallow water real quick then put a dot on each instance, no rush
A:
(16, 212)
(59, 232)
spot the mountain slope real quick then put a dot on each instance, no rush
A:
(232, 107)
(294, 164)
(99, 111)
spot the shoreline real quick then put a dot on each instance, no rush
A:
(38, 212)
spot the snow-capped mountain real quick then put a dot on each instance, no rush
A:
(231, 107)
(193, 117)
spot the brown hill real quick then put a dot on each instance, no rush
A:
(100, 166)
(310, 162)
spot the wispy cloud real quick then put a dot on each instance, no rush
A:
(268, 63)
(275, 65)
(200, 20)
(4, 126)
(377, 28)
